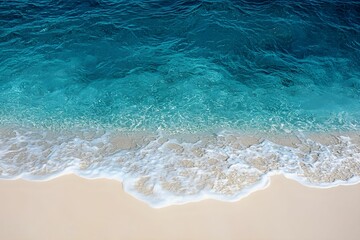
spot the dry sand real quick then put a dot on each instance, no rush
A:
(70, 207)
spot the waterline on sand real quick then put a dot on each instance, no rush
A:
(163, 169)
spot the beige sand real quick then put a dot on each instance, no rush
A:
(70, 207)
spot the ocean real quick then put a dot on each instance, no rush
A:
(181, 100)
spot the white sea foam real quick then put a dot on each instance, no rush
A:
(164, 169)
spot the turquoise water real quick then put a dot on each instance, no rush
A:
(75, 75)
(181, 65)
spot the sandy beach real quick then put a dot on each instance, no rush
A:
(71, 207)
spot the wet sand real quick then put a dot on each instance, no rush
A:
(71, 207)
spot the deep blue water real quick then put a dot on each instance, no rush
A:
(184, 65)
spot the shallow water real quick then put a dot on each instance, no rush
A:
(78, 77)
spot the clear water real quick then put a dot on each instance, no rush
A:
(107, 68)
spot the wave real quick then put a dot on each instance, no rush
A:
(163, 169)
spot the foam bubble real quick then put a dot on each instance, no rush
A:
(164, 169)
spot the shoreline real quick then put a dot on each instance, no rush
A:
(260, 186)
(71, 207)
(166, 170)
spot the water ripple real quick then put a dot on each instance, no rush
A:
(181, 64)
